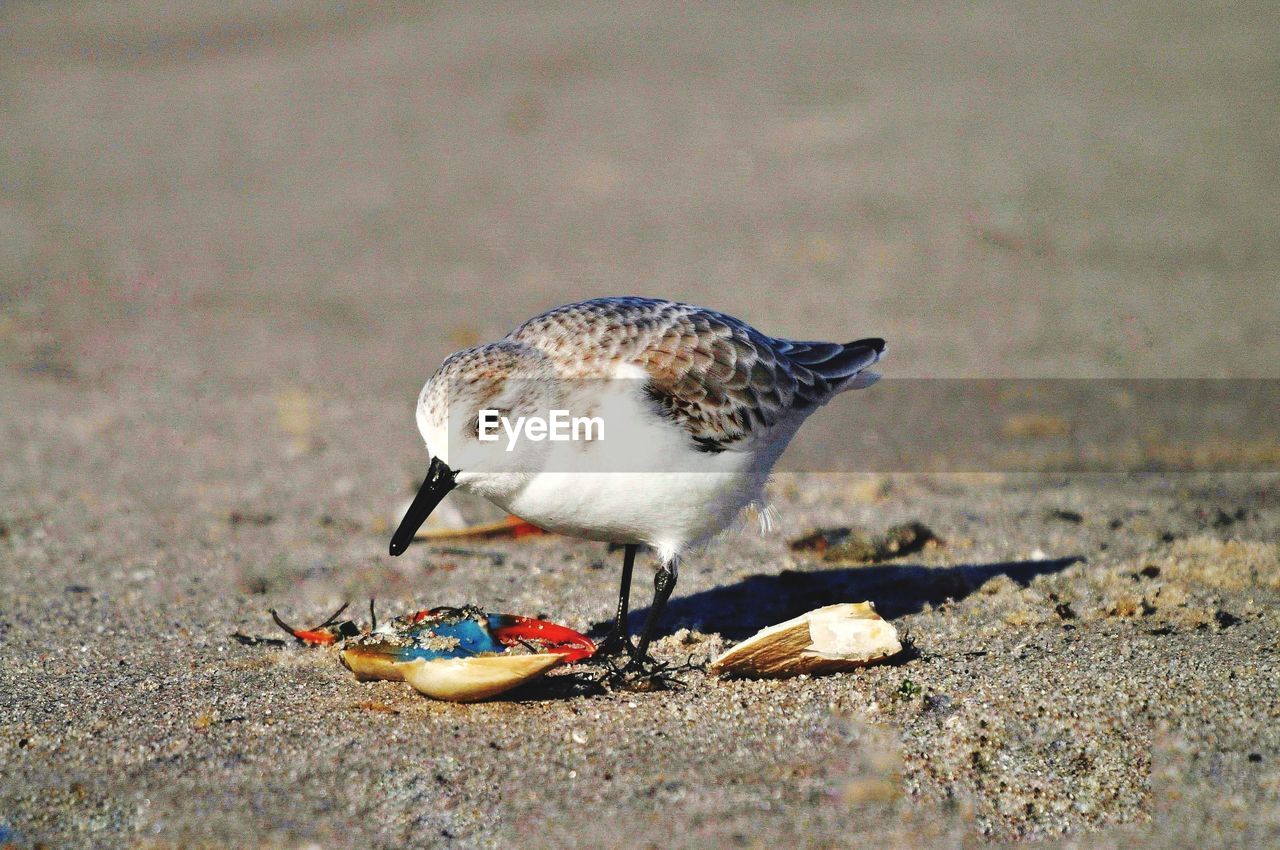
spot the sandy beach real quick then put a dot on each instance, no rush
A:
(234, 242)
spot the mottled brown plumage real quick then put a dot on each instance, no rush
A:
(716, 376)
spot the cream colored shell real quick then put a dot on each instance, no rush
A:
(828, 640)
(453, 679)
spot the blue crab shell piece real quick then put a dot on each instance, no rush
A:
(463, 654)
(461, 638)
(451, 654)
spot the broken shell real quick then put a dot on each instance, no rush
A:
(469, 679)
(510, 526)
(453, 679)
(447, 522)
(459, 654)
(853, 546)
(373, 663)
(463, 654)
(828, 640)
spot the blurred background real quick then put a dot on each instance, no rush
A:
(223, 198)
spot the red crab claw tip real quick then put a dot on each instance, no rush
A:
(311, 637)
(314, 638)
(558, 639)
(520, 528)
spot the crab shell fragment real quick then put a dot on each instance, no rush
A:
(463, 654)
(828, 640)
(454, 679)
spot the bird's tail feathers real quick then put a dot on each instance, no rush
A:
(843, 366)
(860, 381)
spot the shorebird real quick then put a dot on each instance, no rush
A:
(694, 408)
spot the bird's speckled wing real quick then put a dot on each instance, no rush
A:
(719, 378)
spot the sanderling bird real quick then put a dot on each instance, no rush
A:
(693, 407)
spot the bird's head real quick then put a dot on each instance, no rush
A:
(468, 412)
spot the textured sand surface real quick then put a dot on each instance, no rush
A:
(234, 241)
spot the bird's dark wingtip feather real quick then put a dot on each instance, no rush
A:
(875, 343)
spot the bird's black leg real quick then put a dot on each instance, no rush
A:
(664, 581)
(616, 640)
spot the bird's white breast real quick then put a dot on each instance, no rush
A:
(642, 482)
(668, 510)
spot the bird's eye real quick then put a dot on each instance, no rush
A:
(471, 429)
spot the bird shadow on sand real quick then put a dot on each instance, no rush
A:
(739, 610)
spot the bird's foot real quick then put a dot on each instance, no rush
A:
(614, 645)
(646, 674)
(639, 676)
(624, 667)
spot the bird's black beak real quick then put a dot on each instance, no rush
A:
(438, 484)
